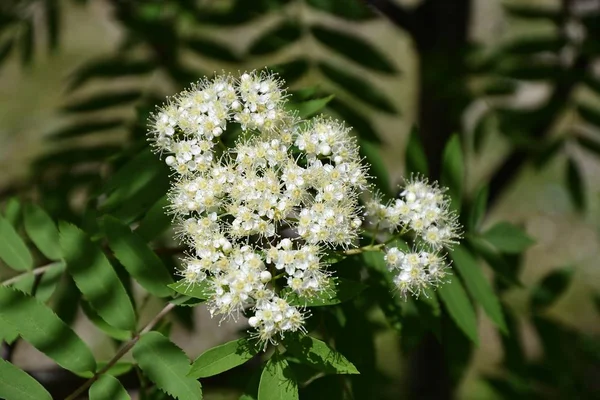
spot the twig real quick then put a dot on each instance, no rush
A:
(34, 272)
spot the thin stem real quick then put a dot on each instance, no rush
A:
(33, 272)
(122, 351)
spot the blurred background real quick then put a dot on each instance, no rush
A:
(518, 80)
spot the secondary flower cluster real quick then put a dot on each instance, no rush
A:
(263, 209)
(423, 209)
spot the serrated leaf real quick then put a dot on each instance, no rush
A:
(102, 101)
(283, 35)
(575, 185)
(277, 381)
(110, 331)
(49, 281)
(338, 291)
(12, 211)
(549, 289)
(13, 250)
(354, 48)
(358, 87)
(416, 161)
(459, 307)
(291, 71)
(211, 49)
(156, 220)
(39, 326)
(350, 10)
(108, 68)
(508, 238)
(477, 285)
(42, 231)
(222, 358)
(53, 22)
(86, 127)
(16, 384)
(319, 355)
(532, 44)
(201, 290)
(108, 387)
(167, 366)
(310, 107)
(376, 168)
(478, 208)
(452, 175)
(95, 277)
(137, 258)
(354, 118)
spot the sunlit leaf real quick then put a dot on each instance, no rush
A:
(201, 290)
(42, 231)
(16, 384)
(310, 107)
(110, 331)
(223, 358)
(277, 381)
(319, 355)
(49, 281)
(13, 250)
(508, 238)
(338, 291)
(108, 387)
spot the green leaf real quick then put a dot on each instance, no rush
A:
(350, 10)
(358, 87)
(109, 68)
(354, 118)
(102, 101)
(452, 175)
(49, 281)
(167, 366)
(416, 161)
(117, 369)
(532, 44)
(27, 41)
(377, 169)
(53, 22)
(477, 285)
(277, 381)
(502, 268)
(12, 211)
(13, 250)
(86, 127)
(108, 387)
(201, 290)
(310, 107)
(38, 325)
(531, 11)
(291, 71)
(353, 48)
(549, 290)
(42, 231)
(137, 258)
(95, 277)
(589, 144)
(531, 70)
(110, 331)
(508, 238)
(211, 49)
(319, 355)
(459, 307)
(16, 384)
(338, 291)
(575, 185)
(156, 220)
(478, 208)
(222, 358)
(283, 35)
(590, 114)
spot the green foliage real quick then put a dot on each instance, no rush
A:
(16, 384)
(277, 381)
(320, 356)
(339, 291)
(459, 307)
(167, 366)
(222, 358)
(108, 387)
(453, 170)
(42, 231)
(508, 238)
(13, 250)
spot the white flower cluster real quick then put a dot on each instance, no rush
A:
(258, 215)
(423, 209)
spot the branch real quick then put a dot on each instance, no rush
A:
(398, 15)
(33, 272)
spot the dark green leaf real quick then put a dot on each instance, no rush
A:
(87, 127)
(358, 87)
(96, 278)
(531, 70)
(291, 71)
(531, 11)
(575, 185)
(549, 290)
(49, 281)
(354, 118)
(16, 384)
(102, 101)
(52, 22)
(141, 262)
(211, 49)
(416, 161)
(310, 107)
(201, 290)
(338, 291)
(27, 41)
(589, 113)
(498, 262)
(108, 387)
(319, 355)
(452, 175)
(5, 49)
(109, 68)
(42, 231)
(76, 155)
(110, 331)
(531, 44)
(167, 366)
(589, 144)
(478, 208)
(13, 250)
(350, 10)
(156, 220)
(12, 211)
(353, 48)
(547, 151)
(508, 238)
(276, 38)
(38, 325)
(456, 301)
(222, 358)
(477, 285)
(377, 169)
(277, 381)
